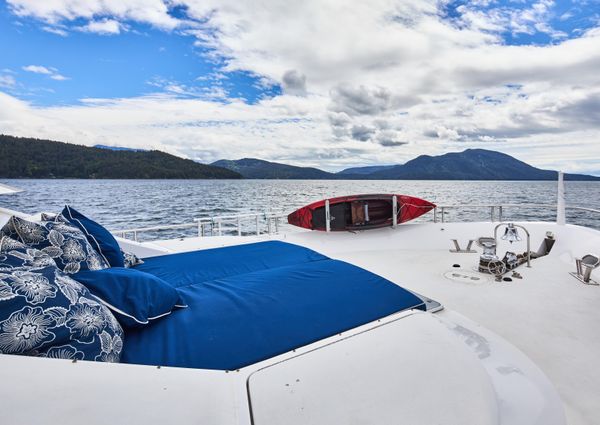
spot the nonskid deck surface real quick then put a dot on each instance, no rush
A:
(547, 314)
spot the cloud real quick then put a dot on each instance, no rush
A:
(50, 72)
(387, 80)
(7, 81)
(362, 133)
(57, 12)
(59, 77)
(104, 27)
(55, 30)
(360, 100)
(389, 138)
(294, 83)
(516, 20)
(37, 69)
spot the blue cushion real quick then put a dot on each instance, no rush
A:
(261, 308)
(135, 297)
(43, 312)
(100, 238)
(193, 267)
(62, 241)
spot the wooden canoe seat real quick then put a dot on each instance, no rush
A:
(358, 213)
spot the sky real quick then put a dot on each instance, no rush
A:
(325, 83)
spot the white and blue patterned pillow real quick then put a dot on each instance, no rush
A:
(131, 260)
(14, 255)
(65, 243)
(43, 312)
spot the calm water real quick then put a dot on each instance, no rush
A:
(122, 204)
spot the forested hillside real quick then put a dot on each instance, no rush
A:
(22, 157)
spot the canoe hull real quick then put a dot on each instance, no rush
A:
(359, 212)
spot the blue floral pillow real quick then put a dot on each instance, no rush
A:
(14, 254)
(43, 312)
(97, 235)
(131, 260)
(65, 243)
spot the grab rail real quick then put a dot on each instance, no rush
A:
(270, 220)
(497, 209)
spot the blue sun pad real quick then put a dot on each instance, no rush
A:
(259, 307)
(190, 268)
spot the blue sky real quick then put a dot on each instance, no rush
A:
(139, 61)
(325, 83)
(549, 23)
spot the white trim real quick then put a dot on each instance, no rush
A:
(160, 315)
(121, 312)
(17, 228)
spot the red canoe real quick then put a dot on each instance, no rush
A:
(359, 212)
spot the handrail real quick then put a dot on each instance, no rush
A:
(215, 224)
(500, 207)
(271, 219)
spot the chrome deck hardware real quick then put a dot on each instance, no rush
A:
(585, 266)
(511, 234)
(458, 250)
(489, 253)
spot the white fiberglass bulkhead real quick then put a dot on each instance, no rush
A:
(417, 369)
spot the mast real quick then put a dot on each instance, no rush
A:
(560, 201)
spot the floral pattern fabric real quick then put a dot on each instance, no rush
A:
(43, 312)
(16, 255)
(131, 260)
(60, 240)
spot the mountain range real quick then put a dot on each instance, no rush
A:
(252, 168)
(35, 158)
(471, 164)
(22, 157)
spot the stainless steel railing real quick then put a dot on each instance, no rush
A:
(497, 210)
(269, 222)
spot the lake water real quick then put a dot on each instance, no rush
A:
(120, 204)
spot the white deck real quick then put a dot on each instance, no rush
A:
(549, 315)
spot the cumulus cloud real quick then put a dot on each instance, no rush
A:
(360, 100)
(294, 83)
(387, 80)
(154, 12)
(389, 138)
(362, 133)
(528, 20)
(105, 26)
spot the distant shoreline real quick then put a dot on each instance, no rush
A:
(595, 180)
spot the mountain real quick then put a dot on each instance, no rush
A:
(34, 158)
(252, 168)
(119, 148)
(471, 164)
(362, 171)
